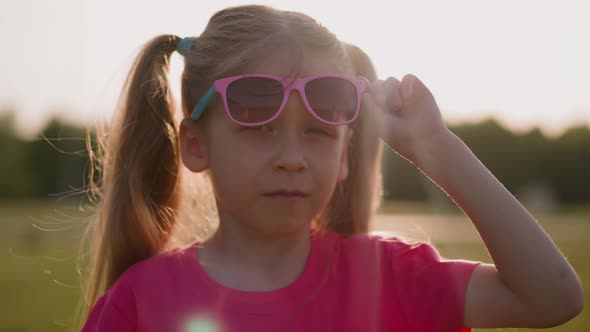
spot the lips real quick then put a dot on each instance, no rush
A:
(287, 193)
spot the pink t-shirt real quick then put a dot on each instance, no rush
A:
(358, 283)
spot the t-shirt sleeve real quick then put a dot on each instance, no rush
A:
(114, 311)
(431, 289)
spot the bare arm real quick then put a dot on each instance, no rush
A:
(532, 284)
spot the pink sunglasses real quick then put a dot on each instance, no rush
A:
(257, 99)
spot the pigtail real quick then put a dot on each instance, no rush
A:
(356, 199)
(138, 188)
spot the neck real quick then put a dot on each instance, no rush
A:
(240, 257)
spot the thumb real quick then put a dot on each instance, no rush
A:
(412, 87)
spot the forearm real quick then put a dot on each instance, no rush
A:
(526, 258)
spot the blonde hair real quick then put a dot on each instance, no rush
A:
(142, 202)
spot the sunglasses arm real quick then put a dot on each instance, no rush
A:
(203, 103)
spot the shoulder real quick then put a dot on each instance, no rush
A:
(387, 243)
(412, 274)
(380, 253)
(159, 268)
(147, 273)
(402, 256)
(118, 306)
(152, 269)
(166, 259)
(424, 282)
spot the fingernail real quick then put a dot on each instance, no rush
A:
(408, 86)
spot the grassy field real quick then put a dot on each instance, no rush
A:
(38, 247)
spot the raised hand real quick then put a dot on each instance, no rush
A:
(407, 115)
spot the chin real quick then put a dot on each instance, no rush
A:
(286, 227)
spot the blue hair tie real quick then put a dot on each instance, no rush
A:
(185, 45)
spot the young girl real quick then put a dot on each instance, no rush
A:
(285, 123)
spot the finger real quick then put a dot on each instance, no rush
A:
(412, 87)
(369, 103)
(387, 94)
(407, 86)
(374, 115)
(394, 99)
(376, 94)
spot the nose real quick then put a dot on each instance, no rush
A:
(291, 156)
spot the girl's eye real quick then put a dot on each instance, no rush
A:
(319, 131)
(266, 128)
(258, 128)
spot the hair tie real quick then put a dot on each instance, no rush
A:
(184, 45)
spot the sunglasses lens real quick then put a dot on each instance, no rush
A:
(332, 99)
(254, 99)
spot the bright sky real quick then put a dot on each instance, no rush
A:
(524, 62)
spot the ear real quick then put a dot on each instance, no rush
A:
(343, 170)
(193, 149)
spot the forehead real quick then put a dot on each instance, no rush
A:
(286, 63)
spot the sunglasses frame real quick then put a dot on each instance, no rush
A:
(289, 84)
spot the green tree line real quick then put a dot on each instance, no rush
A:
(55, 163)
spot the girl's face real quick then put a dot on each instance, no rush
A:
(295, 152)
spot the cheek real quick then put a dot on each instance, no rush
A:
(328, 167)
(228, 162)
(235, 164)
(235, 182)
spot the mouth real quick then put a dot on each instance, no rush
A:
(286, 193)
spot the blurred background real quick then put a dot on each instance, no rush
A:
(512, 80)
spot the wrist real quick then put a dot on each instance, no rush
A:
(431, 153)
